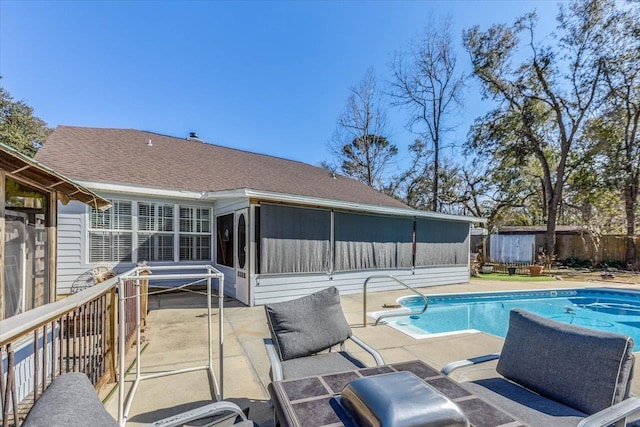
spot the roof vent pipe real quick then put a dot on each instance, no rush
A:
(193, 136)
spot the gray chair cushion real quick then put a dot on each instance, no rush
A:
(585, 369)
(307, 325)
(526, 406)
(320, 364)
(70, 401)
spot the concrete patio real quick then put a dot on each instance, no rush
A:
(176, 338)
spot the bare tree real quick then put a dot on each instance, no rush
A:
(545, 100)
(428, 85)
(475, 187)
(359, 143)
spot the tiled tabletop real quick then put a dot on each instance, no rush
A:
(310, 402)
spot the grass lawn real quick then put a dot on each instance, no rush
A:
(514, 278)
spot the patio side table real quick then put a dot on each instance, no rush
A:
(311, 402)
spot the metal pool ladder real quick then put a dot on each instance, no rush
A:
(392, 313)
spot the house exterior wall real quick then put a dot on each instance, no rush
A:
(73, 235)
(73, 258)
(284, 287)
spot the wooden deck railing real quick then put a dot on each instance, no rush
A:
(76, 334)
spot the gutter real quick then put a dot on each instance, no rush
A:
(276, 197)
(337, 204)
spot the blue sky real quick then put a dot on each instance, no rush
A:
(268, 77)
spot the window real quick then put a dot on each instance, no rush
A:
(155, 247)
(195, 220)
(195, 248)
(155, 217)
(162, 230)
(117, 217)
(224, 239)
(111, 233)
(155, 232)
(195, 234)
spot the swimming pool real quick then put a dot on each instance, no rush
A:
(598, 308)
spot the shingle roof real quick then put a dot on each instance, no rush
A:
(123, 156)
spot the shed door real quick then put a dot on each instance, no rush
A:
(241, 260)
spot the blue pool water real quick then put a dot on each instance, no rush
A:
(604, 309)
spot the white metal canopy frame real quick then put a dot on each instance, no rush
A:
(143, 273)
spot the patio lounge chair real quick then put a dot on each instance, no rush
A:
(303, 328)
(71, 401)
(556, 374)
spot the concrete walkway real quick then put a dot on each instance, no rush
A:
(176, 338)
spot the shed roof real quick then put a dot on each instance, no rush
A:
(27, 169)
(147, 159)
(541, 229)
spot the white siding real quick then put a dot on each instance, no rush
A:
(72, 234)
(70, 244)
(224, 206)
(284, 287)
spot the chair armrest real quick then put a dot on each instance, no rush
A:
(613, 414)
(468, 362)
(274, 359)
(377, 357)
(202, 412)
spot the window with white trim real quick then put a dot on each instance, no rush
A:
(162, 230)
(111, 233)
(195, 234)
(155, 232)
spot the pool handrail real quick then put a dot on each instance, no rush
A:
(390, 314)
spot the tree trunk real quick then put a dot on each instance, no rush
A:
(630, 199)
(552, 217)
(436, 173)
(550, 238)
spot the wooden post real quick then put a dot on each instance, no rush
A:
(144, 294)
(52, 247)
(144, 291)
(112, 336)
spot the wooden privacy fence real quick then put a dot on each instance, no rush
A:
(580, 247)
(77, 334)
(587, 247)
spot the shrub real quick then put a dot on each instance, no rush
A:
(618, 265)
(573, 262)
